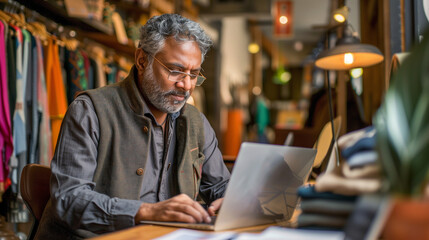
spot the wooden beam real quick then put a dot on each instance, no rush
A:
(373, 31)
(387, 47)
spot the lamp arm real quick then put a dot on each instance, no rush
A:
(331, 118)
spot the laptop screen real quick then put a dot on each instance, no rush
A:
(263, 184)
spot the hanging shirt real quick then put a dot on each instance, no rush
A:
(86, 64)
(55, 89)
(11, 48)
(45, 139)
(111, 75)
(6, 145)
(18, 115)
(76, 74)
(21, 90)
(19, 134)
(98, 53)
(92, 76)
(32, 117)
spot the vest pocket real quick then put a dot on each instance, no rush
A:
(197, 172)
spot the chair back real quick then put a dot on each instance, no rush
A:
(35, 191)
(324, 141)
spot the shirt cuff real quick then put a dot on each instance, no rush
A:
(124, 212)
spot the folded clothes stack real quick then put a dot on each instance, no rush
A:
(328, 203)
(359, 173)
(324, 210)
(358, 147)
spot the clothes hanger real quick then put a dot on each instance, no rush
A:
(71, 44)
(11, 10)
(43, 34)
(4, 16)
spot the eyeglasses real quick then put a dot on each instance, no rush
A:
(178, 76)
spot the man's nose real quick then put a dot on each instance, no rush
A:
(186, 83)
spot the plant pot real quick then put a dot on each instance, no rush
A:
(408, 219)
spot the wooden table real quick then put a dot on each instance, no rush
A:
(143, 232)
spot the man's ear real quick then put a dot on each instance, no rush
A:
(140, 59)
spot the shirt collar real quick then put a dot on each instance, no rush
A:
(147, 112)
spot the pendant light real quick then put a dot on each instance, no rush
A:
(349, 53)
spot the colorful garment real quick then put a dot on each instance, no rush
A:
(55, 89)
(45, 138)
(77, 77)
(6, 145)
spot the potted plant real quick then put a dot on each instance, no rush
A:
(402, 124)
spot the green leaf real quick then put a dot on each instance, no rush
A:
(402, 125)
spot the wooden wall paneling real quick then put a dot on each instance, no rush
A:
(373, 31)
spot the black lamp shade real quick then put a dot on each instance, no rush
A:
(364, 55)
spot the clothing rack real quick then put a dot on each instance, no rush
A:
(57, 41)
(62, 26)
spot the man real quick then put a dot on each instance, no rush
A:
(135, 150)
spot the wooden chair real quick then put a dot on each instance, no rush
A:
(324, 146)
(35, 191)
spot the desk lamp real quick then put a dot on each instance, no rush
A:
(348, 53)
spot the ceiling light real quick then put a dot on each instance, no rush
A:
(340, 15)
(253, 48)
(283, 20)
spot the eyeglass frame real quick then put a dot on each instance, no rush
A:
(191, 76)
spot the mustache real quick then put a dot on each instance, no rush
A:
(178, 93)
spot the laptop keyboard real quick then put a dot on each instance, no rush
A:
(213, 220)
(201, 226)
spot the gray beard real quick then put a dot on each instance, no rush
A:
(158, 97)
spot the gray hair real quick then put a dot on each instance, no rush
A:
(159, 28)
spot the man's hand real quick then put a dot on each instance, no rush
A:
(215, 206)
(180, 208)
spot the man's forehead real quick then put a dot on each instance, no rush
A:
(180, 50)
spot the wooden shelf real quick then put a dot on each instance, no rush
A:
(59, 15)
(112, 42)
(133, 8)
(97, 30)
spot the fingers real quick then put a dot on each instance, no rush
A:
(193, 209)
(205, 215)
(212, 211)
(215, 206)
(178, 216)
(180, 208)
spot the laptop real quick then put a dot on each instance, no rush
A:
(262, 188)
